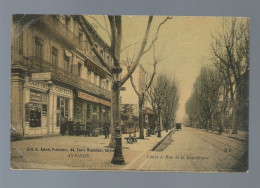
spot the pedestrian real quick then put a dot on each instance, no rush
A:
(220, 129)
(77, 128)
(91, 128)
(62, 126)
(65, 125)
(106, 129)
(70, 127)
(87, 128)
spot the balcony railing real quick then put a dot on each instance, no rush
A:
(67, 34)
(35, 64)
(61, 29)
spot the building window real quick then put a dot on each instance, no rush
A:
(80, 38)
(62, 109)
(106, 84)
(38, 47)
(66, 63)
(88, 111)
(100, 82)
(108, 59)
(101, 53)
(36, 108)
(95, 78)
(95, 113)
(86, 45)
(89, 75)
(67, 21)
(79, 69)
(54, 56)
(33, 115)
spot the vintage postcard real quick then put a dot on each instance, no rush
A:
(129, 93)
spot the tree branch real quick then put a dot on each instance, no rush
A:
(103, 28)
(134, 87)
(138, 58)
(128, 46)
(118, 22)
(113, 42)
(154, 72)
(156, 35)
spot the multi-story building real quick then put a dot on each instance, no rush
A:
(56, 75)
(129, 96)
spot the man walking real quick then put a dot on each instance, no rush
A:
(106, 129)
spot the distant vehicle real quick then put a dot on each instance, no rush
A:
(178, 126)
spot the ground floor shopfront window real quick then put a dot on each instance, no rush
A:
(36, 109)
(62, 109)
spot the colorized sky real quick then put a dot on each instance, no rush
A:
(183, 44)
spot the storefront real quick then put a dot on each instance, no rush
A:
(36, 105)
(36, 109)
(45, 106)
(150, 119)
(88, 107)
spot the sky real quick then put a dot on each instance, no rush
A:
(183, 44)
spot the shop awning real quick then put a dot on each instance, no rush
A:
(93, 99)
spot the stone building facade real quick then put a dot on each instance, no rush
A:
(55, 75)
(129, 96)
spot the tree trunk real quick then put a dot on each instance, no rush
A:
(167, 121)
(141, 120)
(223, 119)
(208, 124)
(234, 117)
(115, 112)
(212, 121)
(161, 124)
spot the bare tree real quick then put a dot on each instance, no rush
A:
(141, 93)
(115, 23)
(230, 54)
(203, 104)
(163, 96)
(170, 105)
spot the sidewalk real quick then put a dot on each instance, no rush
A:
(241, 135)
(144, 144)
(77, 152)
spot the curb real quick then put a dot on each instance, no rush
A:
(154, 148)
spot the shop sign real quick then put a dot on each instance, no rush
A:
(37, 84)
(93, 99)
(32, 105)
(62, 90)
(35, 97)
(41, 76)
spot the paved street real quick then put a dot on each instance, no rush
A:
(185, 150)
(197, 150)
(76, 152)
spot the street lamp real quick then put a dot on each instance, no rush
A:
(116, 73)
(118, 154)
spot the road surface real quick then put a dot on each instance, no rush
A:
(196, 150)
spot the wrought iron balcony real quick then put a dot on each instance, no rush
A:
(35, 64)
(64, 33)
(60, 29)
